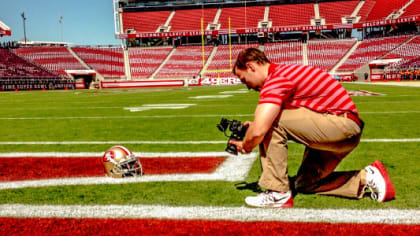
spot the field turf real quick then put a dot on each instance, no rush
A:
(100, 115)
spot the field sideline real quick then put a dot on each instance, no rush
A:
(85, 122)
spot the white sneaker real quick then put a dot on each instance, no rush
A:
(379, 183)
(271, 199)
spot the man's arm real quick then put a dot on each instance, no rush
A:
(265, 115)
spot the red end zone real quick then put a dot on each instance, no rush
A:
(53, 226)
(32, 168)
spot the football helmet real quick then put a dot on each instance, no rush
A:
(120, 162)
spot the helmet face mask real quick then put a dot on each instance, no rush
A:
(120, 162)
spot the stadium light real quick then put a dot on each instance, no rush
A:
(60, 20)
(24, 26)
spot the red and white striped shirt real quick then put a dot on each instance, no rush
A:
(294, 86)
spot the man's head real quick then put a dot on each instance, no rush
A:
(251, 67)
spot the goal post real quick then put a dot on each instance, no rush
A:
(218, 71)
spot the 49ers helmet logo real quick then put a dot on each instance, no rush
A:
(109, 156)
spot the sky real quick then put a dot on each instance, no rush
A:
(85, 22)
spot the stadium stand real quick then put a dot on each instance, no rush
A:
(333, 11)
(144, 21)
(371, 49)
(297, 14)
(56, 59)
(383, 8)
(284, 52)
(16, 73)
(13, 66)
(188, 20)
(407, 52)
(325, 54)
(366, 9)
(107, 61)
(186, 61)
(413, 9)
(145, 61)
(221, 59)
(241, 17)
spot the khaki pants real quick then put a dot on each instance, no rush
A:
(328, 139)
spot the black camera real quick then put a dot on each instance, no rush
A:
(238, 133)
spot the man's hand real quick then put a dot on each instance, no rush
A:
(238, 145)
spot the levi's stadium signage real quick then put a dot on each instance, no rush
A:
(274, 29)
(5, 32)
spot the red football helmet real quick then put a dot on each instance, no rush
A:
(120, 162)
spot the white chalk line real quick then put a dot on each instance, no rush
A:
(172, 116)
(242, 214)
(100, 154)
(234, 168)
(405, 140)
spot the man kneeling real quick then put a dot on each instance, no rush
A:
(306, 105)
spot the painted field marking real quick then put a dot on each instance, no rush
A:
(405, 140)
(210, 96)
(244, 214)
(234, 168)
(170, 116)
(100, 154)
(146, 107)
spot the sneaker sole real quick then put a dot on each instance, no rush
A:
(287, 204)
(389, 188)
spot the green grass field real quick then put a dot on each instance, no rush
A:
(99, 115)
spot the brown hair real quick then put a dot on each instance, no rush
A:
(247, 55)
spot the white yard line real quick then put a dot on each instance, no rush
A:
(405, 140)
(243, 214)
(172, 116)
(234, 168)
(100, 154)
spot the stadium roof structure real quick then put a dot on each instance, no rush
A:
(4, 29)
(41, 43)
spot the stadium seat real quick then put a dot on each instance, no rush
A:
(108, 61)
(413, 9)
(144, 21)
(407, 52)
(289, 52)
(145, 61)
(325, 54)
(221, 60)
(291, 14)
(54, 58)
(371, 49)
(241, 17)
(383, 8)
(333, 11)
(186, 61)
(188, 20)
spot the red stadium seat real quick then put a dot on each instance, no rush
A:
(55, 58)
(145, 61)
(186, 61)
(109, 62)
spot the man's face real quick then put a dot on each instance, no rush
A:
(250, 76)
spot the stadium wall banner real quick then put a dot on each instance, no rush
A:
(376, 77)
(348, 77)
(80, 85)
(214, 81)
(5, 32)
(142, 84)
(393, 76)
(274, 29)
